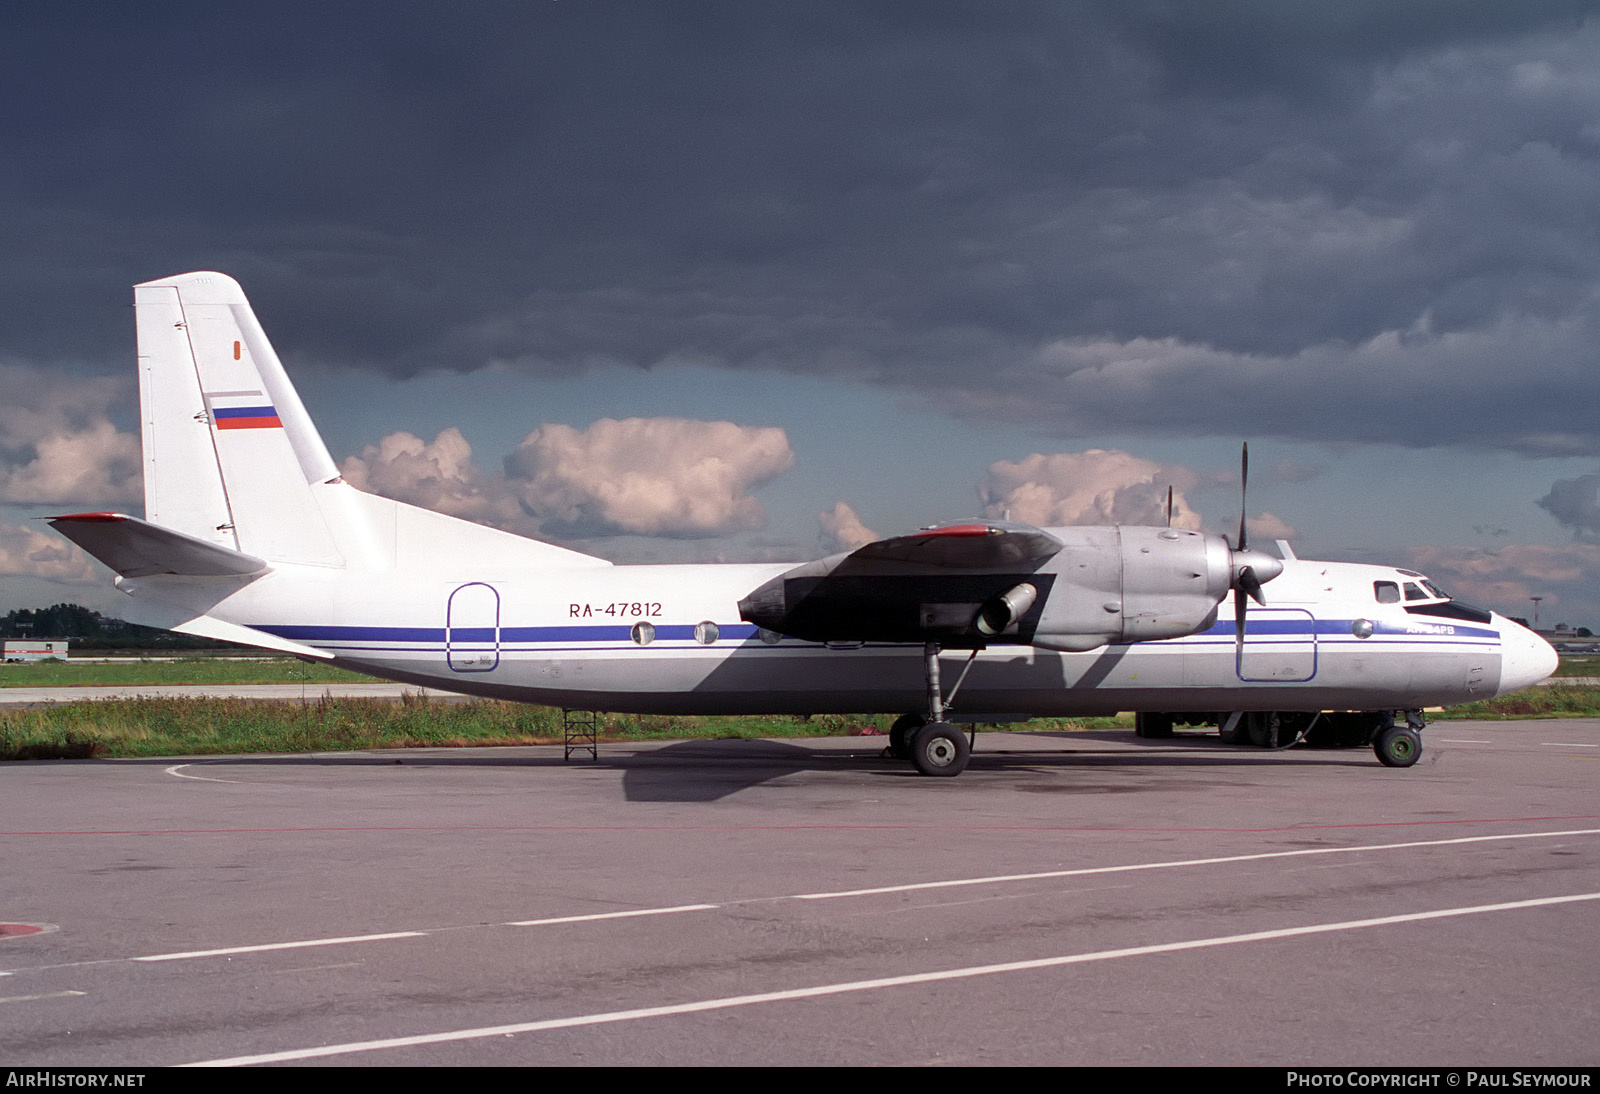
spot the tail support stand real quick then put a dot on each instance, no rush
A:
(580, 732)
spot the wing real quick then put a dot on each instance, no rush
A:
(965, 546)
(964, 583)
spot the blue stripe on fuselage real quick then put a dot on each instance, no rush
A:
(1309, 627)
(1284, 629)
(320, 633)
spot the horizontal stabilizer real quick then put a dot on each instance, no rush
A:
(137, 548)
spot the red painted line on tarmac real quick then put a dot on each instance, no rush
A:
(787, 828)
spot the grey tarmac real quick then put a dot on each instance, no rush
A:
(1081, 898)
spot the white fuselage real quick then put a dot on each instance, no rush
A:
(668, 639)
(251, 534)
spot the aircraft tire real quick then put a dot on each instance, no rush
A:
(941, 749)
(1261, 727)
(901, 734)
(1398, 746)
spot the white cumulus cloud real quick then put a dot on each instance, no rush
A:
(25, 552)
(439, 475)
(1265, 526)
(842, 529)
(669, 477)
(1097, 486)
(648, 476)
(1505, 578)
(57, 442)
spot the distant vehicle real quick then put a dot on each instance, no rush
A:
(35, 649)
(252, 536)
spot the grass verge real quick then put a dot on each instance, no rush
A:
(1554, 701)
(127, 728)
(182, 670)
(186, 727)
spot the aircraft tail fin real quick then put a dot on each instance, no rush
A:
(229, 451)
(232, 459)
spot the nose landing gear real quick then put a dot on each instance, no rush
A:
(1400, 746)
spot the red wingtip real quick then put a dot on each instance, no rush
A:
(87, 518)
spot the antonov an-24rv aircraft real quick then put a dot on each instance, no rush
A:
(251, 535)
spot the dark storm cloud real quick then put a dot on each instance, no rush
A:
(1575, 503)
(1347, 221)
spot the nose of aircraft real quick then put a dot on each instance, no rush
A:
(1525, 658)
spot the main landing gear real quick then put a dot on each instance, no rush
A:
(1396, 742)
(933, 745)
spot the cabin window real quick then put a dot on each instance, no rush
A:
(643, 633)
(1387, 592)
(706, 633)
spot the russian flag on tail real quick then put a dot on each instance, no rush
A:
(242, 410)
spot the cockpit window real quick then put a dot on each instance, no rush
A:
(1453, 609)
(1414, 591)
(1387, 592)
(1435, 590)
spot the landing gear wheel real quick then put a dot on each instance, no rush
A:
(1262, 728)
(1398, 746)
(939, 748)
(901, 734)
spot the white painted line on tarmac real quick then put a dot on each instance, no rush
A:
(1567, 744)
(612, 915)
(729, 1002)
(176, 771)
(187, 954)
(45, 995)
(1460, 741)
(909, 887)
(1047, 874)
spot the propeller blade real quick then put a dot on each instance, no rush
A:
(1244, 486)
(1250, 568)
(1169, 506)
(1250, 583)
(1240, 605)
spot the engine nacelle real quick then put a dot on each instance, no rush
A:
(998, 583)
(1132, 584)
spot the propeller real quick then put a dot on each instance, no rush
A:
(1251, 569)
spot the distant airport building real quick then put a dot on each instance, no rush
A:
(35, 649)
(1568, 639)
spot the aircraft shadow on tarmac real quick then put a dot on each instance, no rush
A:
(710, 770)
